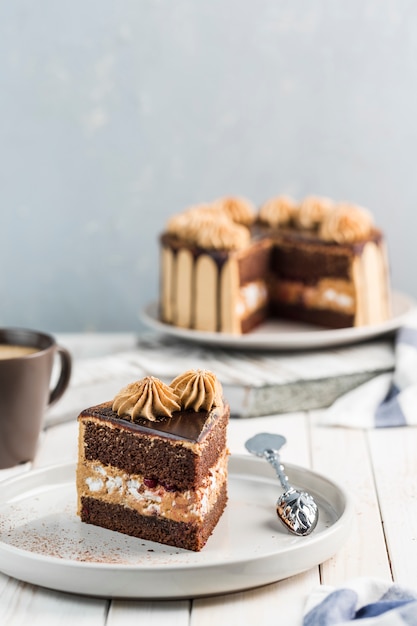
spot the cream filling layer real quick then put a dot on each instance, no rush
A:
(328, 293)
(114, 486)
(251, 297)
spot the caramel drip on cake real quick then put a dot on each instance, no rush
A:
(183, 286)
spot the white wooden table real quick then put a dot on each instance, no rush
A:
(378, 467)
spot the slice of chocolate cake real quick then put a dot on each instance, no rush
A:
(152, 463)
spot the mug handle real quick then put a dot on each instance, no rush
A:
(64, 376)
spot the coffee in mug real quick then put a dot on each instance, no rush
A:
(26, 362)
(11, 352)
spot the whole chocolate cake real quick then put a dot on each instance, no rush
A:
(226, 267)
(152, 463)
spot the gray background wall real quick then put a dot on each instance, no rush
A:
(116, 114)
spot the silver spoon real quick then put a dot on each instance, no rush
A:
(296, 509)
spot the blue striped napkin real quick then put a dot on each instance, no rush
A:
(388, 399)
(379, 603)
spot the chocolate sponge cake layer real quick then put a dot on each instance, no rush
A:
(254, 319)
(254, 262)
(191, 536)
(295, 260)
(320, 317)
(301, 257)
(137, 449)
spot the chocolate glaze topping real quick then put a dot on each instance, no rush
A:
(182, 426)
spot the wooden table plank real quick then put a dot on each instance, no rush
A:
(278, 603)
(58, 445)
(394, 456)
(22, 604)
(342, 454)
(293, 426)
(152, 613)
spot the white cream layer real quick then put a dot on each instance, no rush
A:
(114, 486)
(252, 297)
(328, 293)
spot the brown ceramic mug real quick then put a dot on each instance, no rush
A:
(26, 362)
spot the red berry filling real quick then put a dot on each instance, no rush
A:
(150, 482)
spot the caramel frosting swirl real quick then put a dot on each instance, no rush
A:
(198, 390)
(278, 211)
(238, 209)
(313, 210)
(346, 224)
(208, 227)
(180, 223)
(221, 234)
(149, 398)
(177, 224)
(216, 226)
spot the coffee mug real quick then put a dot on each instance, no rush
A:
(26, 362)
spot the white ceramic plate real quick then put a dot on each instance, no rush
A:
(286, 335)
(43, 542)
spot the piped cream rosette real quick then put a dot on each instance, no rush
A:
(347, 223)
(239, 210)
(337, 222)
(218, 226)
(313, 210)
(149, 398)
(279, 211)
(198, 390)
(153, 400)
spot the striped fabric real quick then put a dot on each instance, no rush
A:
(377, 602)
(387, 400)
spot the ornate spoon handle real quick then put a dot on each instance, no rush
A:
(296, 509)
(274, 459)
